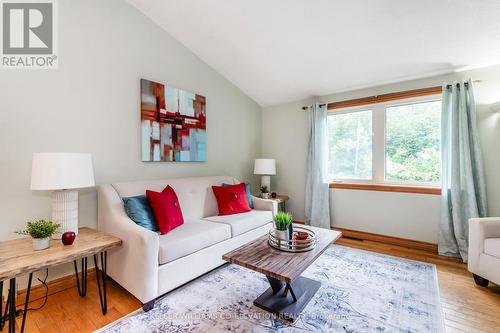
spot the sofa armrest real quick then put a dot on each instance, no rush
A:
(265, 204)
(488, 227)
(479, 230)
(134, 265)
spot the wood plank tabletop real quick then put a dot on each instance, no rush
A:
(259, 256)
(18, 257)
(280, 198)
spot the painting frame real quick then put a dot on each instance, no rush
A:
(173, 124)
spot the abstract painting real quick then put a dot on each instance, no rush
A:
(174, 124)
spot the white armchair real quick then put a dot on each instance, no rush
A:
(484, 250)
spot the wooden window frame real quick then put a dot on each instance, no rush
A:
(376, 184)
(386, 188)
(385, 98)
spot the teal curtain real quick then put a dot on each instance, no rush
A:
(463, 185)
(317, 203)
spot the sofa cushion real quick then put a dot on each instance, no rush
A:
(492, 247)
(191, 237)
(243, 222)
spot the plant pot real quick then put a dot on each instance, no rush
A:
(40, 243)
(265, 195)
(282, 234)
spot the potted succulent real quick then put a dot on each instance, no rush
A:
(264, 191)
(40, 232)
(283, 225)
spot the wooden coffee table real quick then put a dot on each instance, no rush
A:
(289, 292)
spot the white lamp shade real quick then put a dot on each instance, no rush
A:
(264, 166)
(61, 171)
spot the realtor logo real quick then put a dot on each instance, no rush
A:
(28, 34)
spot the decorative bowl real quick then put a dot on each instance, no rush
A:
(303, 240)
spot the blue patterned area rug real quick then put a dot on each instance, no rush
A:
(360, 291)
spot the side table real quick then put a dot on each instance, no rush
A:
(281, 200)
(17, 257)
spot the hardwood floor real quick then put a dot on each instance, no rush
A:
(467, 308)
(66, 311)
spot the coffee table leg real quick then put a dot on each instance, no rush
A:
(277, 301)
(276, 285)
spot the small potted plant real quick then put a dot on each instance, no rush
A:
(283, 225)
(264, 191)
(40, 232)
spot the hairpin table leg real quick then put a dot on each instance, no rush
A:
(12, 306)
(102, 295)
(83, 290)
(2, 316)
(25, 312)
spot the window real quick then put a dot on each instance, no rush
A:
(412, 148)
(350, 145)
(392, 142)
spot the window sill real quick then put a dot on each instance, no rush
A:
(386, 188)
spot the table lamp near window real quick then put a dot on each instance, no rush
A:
(265, 167)
(62, 173)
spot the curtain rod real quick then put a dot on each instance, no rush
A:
(447, 87)
(307, 107)
(465, 83)
(457, 84)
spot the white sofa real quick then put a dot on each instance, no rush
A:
(484, 250)
(148, 264)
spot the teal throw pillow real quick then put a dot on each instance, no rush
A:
(139, 211)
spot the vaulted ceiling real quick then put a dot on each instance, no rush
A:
(278, 51)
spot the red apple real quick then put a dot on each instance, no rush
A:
(68, 237)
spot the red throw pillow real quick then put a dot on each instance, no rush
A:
(166, 209)
(231, 199)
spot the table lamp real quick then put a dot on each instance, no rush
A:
(62, 173)
(265, 167)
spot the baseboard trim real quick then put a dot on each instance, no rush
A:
(55, 286)
(391, 240)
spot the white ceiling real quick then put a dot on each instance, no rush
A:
(279, 51)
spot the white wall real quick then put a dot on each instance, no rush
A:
(91, 104)
(406, 215)
(412, 216)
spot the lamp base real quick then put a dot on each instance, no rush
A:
(65, 211)
(266, 181)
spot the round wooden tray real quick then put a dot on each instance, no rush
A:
(293, 245)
